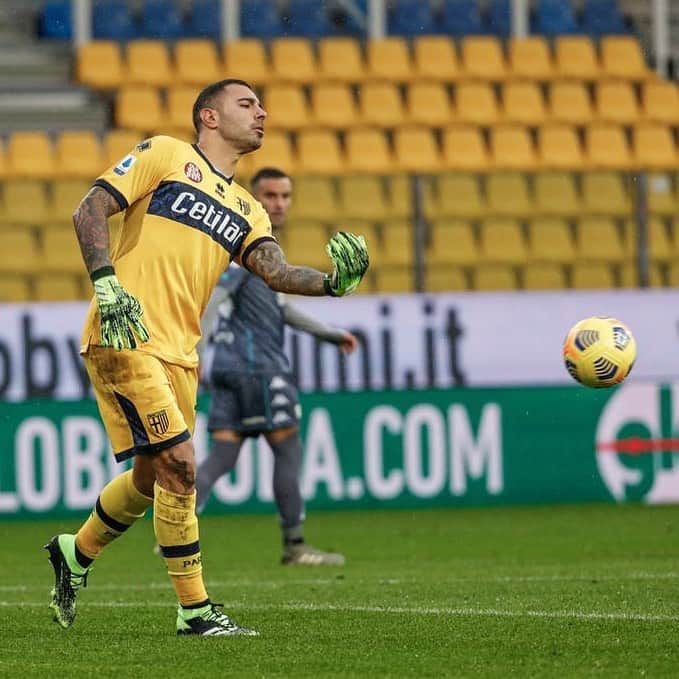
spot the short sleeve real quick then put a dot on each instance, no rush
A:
(260, 232)
(140, 171)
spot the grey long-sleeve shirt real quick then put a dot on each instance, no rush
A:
(245, 320)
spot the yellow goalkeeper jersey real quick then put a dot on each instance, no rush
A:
(184, 223)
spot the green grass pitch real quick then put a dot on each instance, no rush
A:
(586, 591)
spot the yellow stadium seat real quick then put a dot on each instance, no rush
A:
(287, 107)
(559, 147)
(550, 240)
(592, 276)
(616, 102)
(318, 152)
(530, 59)
(523, 103)
(621, 57)
(660, 247)
(397, 245)
(340, 60)
(14, 289)
(363, 198)
(465, 149)
(314, 199)
(501, 242)
(629, 275)
(606, 147)
(30, 155)
(428, 103)
(118, 143)
(333, 105)
(416, 150)
(570, 103)
(61, 252)
(367, 150)
(459, 195)
(482, 58)
(293, 60)
(653, 147)
(488, 277)
(139, 108)
(597, 239)
(394, 280)
(512, 148)
(673, 275)
(543, 276)
(660, 101)
(476, 104)
(435, 58)
(19, 252)
(99, 64)
(661, 196)
(275, 152)
(381, 105)
(196, 62)
(26, 202)
(452, 242)
(508, 195)
(3, 160)
(66, 196)
(148, 63)
(306, 247)
(247, 59)
(55, 287)
(400, 192)
(79, 155)
(445, 279)
(388, 59)
(576, 58)
(556, 194)
(604, 193)
(180, 100)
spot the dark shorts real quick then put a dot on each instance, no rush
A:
(253, 404)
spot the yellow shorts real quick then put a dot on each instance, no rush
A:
(146, 404)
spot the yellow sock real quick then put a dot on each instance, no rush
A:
(118, 506)
(176, 526)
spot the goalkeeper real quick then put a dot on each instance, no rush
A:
(253, 391)
(185, 220)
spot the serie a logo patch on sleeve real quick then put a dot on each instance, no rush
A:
(124, 166)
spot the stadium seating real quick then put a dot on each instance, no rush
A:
(522, 143)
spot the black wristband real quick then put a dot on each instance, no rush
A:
(101, 272)
(326, 286)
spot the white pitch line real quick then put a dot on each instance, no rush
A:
(280, 584)
(389, 610)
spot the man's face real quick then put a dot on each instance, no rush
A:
(240, 118)
(276, 197)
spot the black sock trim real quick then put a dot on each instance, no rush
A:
(173, 551)
(109, 520)
(83, 560)
(194, 606)
(294, 541)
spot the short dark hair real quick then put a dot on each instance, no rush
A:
(268, 173)
(206, 99)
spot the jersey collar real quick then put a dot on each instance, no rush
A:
(197, 149)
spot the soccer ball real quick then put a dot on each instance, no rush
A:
(599, 351)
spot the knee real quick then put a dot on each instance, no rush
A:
(175, 468)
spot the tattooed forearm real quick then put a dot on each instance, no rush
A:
(268, 261)
(91, 227)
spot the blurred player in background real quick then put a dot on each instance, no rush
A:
(252, 387)
(185, 220)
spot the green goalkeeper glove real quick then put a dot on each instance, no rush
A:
(120, 312)
(349, 255)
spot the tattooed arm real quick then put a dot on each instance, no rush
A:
(91, 227)
(268, 262)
